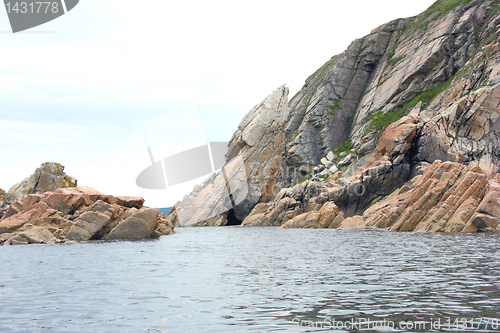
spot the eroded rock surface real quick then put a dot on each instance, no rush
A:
(448, 197)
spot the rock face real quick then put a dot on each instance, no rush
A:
(251, 172)
(356, 94)
(79, 214)
(401, 131)
(48, 177)
(6, 200)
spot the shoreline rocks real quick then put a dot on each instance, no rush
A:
(79, 214)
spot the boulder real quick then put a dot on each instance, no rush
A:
(315, 219)
(87, 225)
(353, 223)
(32, 236)
(330, 156)
(130, 202)
(138, 226)
(333, 169)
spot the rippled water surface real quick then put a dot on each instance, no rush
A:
(234, 279)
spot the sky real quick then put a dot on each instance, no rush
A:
(79, 89)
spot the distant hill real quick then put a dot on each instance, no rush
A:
(165, 210)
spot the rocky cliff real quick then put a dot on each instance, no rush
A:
(414, 105)
(253, 168)
(347, 103)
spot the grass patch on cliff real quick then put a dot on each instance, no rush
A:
(345, 146)
(380, 121)
(308, 176)
(482, 85)
(336, 105)
(436, 10)
(444, 6)
(391, 52)
(395, 60)
(291, 135)
(323, 69)
(490, 38)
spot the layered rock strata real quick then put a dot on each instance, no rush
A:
(353, 97)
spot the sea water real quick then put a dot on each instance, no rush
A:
(261, 279)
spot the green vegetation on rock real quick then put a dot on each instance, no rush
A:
(291, 135)
(444, 6)
(395, 60)
(336, 105)
(303, 179)
(380, 121)
(345, 146)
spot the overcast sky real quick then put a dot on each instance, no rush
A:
(74, 89)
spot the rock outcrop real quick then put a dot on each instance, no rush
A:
(251, 172)
(79, 214)
(6, 200)
(48, 177)
(448, 197)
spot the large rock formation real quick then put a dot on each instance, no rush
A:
(448, 197)
(79, 214)
(251, 172)
(412, 106)
(6, 199)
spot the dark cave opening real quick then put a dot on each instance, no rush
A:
(231, 219)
